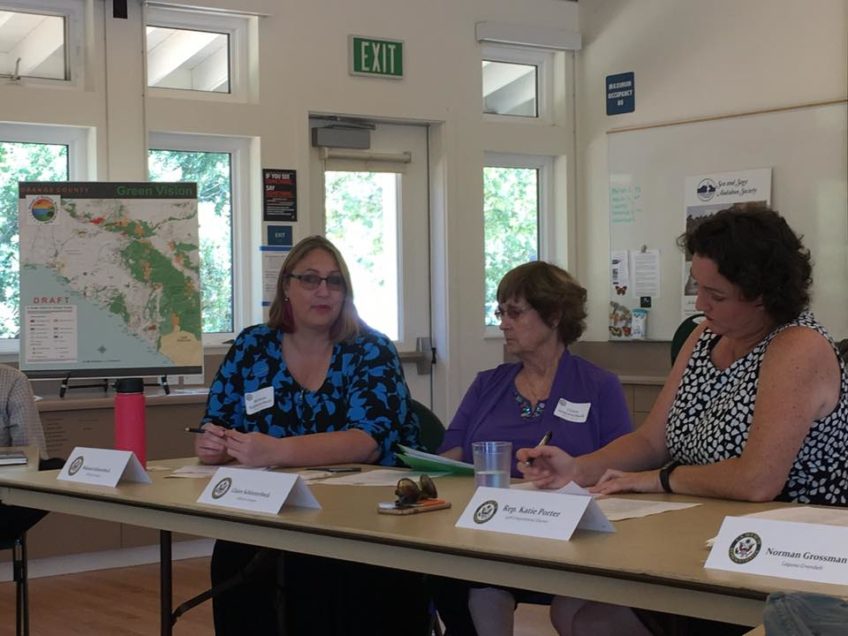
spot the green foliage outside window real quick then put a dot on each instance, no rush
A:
(20, 162)
(361, 216)
(354, 208)
(511, 226)
(212, 173)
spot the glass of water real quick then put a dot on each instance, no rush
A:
(492, 462)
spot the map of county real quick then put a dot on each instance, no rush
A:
(110, 278)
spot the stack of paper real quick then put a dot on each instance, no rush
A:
(10, 457)
(428, 462)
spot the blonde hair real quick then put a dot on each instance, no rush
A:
(348, 325)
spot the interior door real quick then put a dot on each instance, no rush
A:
(376, 211)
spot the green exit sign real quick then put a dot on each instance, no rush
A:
(376, 58)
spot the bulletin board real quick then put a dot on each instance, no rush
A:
(804, 150)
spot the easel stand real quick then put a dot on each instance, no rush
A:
(66, 385)
(103, 383)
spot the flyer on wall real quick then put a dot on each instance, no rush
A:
(709, 193)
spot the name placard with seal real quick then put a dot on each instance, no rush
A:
(785, 549)
(256, 491)
(102, 467)
(532, 513)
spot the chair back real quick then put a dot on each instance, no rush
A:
(842, 347)
(682, 333)
(432, 430)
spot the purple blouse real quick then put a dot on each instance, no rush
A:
(585, 411)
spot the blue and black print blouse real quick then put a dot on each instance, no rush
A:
(364, 389)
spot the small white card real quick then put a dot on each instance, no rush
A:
(257, 491)
(572, 411)
(785, 549)
(103, 467)
(533, 513)
(258, 400)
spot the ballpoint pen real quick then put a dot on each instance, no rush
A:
(197, 429)
(542, 442)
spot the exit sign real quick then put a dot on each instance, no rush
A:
(376, 58)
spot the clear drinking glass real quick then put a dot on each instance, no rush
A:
(492, 461)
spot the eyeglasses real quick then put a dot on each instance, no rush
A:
(409, 493)
(513, 313)
(335, 282)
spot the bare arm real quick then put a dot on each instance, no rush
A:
(453, 453)
(258, 449)
(643, 449)
(799, 383)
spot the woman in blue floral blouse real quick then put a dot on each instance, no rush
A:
(313, 386)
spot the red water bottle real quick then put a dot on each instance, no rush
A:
(130, 432)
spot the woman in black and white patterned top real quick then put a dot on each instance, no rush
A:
(756, 405)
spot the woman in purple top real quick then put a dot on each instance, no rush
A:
(542, 311)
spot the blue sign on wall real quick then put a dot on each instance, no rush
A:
(621, 93)
(280, 235)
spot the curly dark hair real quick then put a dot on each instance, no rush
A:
(756, 250)
(554, 293)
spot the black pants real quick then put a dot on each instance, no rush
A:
(450, 597)
(15, 520)
(316, 596)
(451, 600)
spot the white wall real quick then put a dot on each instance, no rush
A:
(302, 66)
(691, 59)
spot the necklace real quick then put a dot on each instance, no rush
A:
(526, 410)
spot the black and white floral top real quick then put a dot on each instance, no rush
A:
(713, 409)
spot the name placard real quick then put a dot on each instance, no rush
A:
(102, 467)
(785, 549)
(533, 513)
(257, 491)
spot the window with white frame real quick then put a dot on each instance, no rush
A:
(516, 81)
(218, 165)
(196, 53)
(515, 204)
(41, 40)
(29, 153)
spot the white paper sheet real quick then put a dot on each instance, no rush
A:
(204, 471)
(802, 514)
(379, 477)
(618, 508)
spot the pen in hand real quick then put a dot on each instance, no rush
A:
(199, 430)
(542, 442)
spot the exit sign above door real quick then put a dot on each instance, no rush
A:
(376, 58)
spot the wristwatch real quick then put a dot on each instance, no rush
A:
(665, 473)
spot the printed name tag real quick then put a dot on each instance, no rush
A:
(258, 400)
(257, 491)
(103, 467)
(786, 549)
(572, 411)
(533, 513)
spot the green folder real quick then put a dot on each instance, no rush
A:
(428, 462)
